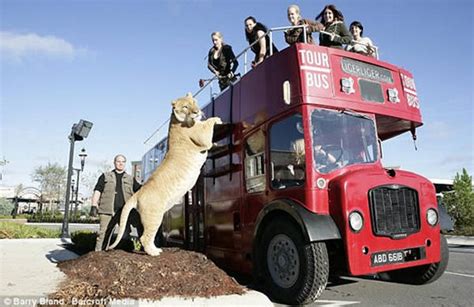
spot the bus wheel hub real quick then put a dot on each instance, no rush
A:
(283, 261)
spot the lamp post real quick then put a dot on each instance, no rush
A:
(79, 132)
(73, 192)
(82, 156)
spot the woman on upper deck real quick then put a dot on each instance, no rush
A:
(333, 22)
(221, 61)
(256, 31)
(360, 44)
(296, 35)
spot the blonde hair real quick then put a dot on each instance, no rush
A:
(218, 34)
(294, 6)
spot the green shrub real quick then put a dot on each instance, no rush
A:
(12, 230)
(45, 217)
(463, 231)
(58, 218)
(84, 240)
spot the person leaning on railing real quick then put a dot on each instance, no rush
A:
(360, 44)
(296, 35)
(335, 31)
(256, 31)
(221, 61)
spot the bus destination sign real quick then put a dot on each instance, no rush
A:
(367, 71)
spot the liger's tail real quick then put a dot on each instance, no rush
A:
(129, 205)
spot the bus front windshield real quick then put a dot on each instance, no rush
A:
(341, 139)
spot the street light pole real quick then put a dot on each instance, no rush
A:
(82, 156)
(79, 132)
(78, 170)
(65, 226)
(73, 192)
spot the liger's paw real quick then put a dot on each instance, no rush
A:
(217, 120)
(152, 250)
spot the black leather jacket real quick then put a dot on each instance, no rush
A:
(225, 63)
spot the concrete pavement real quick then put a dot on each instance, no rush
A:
(28, 272)
(28, 266)
(460, 240)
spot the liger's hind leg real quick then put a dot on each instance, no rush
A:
(149, 233)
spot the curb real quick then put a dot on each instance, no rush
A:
(460, 240)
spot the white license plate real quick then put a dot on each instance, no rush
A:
(389, 257)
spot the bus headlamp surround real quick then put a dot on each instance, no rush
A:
(356, 221)
(432, 216)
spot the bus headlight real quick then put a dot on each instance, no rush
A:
(432, 216)
(356, 221)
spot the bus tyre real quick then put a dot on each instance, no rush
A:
(423, 274)
(294, 272)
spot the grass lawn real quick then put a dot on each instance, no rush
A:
(11, 230)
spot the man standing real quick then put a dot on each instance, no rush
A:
(111, 192)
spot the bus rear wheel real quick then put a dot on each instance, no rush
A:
(423, 274)
(294, 272)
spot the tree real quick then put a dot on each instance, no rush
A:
(460, 202)
(18, 189)
(89, 179)
(6, 206)
(52, 179)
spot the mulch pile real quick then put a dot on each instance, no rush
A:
(119, 274)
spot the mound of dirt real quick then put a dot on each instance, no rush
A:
(118, 274)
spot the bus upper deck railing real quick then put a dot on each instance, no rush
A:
(269, 33)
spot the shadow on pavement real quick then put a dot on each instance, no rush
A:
(335, 281)
(59, 255)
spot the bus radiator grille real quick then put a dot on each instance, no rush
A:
(394, 211)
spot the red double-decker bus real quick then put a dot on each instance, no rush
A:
(295, 189)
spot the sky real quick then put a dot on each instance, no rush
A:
(119, 64)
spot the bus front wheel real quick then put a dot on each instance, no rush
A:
(295, 272)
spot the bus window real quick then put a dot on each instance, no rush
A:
(287, 153)
(255, 162)
(342, 138)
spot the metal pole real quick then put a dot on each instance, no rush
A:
(210, 89)
(15, 209)
(271, 43)
(77, 193)
(245, 62)
(65, 226)
(71, 208)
